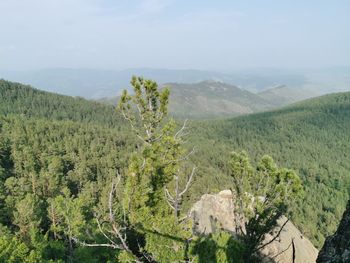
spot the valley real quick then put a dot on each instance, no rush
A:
(96, 140)
(162, 131)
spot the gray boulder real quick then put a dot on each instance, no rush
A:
(216, 211)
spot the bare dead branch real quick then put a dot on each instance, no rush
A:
(103, 233)
(168, 195)
(186, 157)
(112, 219)
(179, 133)
(133, 127)
(82, 243)
(189, 180)
(168, 199)
(111, 194)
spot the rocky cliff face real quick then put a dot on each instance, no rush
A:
(337, 247)
(214, 211)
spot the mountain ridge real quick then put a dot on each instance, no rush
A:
(209, 99)
(310, 137)
(296, 136)
(98, 83)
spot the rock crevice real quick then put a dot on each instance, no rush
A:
(336, 249)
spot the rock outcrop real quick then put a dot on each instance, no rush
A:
(214, 211)
(336, 249)
(281, 250)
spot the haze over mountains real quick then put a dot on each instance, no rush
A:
(196, 93)
(95, 83)
(210, 99)
(296, 136)
(174, 131)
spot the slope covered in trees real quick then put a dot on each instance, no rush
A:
(86, 192)
(21, 99)
(50, 143)
(210, 99)
(311, 137)
(40, 160)
(283, 95)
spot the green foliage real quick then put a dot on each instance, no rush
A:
(23, 100)
(218, 247)
(210, 99)
(261, 196)
(151, 171)
(65, 214)
(27, 214)
(37, 249)
(12, 250)
(59, 156)
(45, 165)
(310, 137)
(152, 107)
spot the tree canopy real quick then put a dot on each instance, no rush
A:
(75, 175)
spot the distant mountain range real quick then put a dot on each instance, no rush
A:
(310, 137)
(209, 99)
(195, 93)
(95, 84)
(283, 95)
(212, 99)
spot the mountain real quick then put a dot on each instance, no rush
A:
(98, 83)
(212, 99)
(209, 99)
(86, 83)
(19, 99)
(95, 84)
(283, 95)
(311, 137)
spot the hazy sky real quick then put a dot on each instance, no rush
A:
(222, 35)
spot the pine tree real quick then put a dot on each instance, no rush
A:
(156, 180)
(139, 212)
(261, 197)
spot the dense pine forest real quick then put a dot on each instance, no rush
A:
(61, 156)
(311, 137)
(18, 99)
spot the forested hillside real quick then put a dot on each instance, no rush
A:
(282, 95)
(311, 137)
(24, 100)
(39, 159)
(55, 148)
(210, 99)
(97, 83)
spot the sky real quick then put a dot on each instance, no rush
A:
(174, 34)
